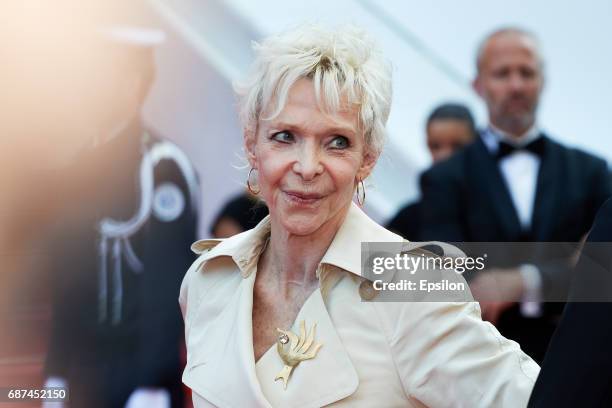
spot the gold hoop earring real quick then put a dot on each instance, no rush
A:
(249, 183)
(362, 195)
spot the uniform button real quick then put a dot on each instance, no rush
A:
(366, 290)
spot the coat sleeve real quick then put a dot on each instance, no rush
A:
(186, 297)
(602, 187)
(576, 369)
(447, 356)
(556, 276)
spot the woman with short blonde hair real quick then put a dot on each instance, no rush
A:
(276, 316)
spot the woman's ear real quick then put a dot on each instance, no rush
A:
(250, 141)
(370, 158)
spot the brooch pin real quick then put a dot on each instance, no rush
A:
(294, 349)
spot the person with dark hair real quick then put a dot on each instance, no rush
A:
(449, 127)
(240, 213)
(515, 184)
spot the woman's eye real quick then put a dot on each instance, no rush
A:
(284, 137)
(339, 142)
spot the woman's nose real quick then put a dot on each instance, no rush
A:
(308, 162)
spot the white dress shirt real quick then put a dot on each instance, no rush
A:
(520, 172)
(519, 169)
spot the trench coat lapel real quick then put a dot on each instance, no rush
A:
(327, 378)
(222, 369)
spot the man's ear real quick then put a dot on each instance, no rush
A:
(250, 141)
(543, 82)
(370, 158)
(477, 86)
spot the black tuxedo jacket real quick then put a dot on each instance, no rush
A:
(577, 370)
(407, 221)
(466, 199)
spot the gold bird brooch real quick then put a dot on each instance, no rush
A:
(294, 349)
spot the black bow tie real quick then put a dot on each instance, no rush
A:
(536, 147)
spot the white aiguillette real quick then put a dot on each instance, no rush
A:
(294, 349)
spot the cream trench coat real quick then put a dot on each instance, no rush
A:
(374, 354)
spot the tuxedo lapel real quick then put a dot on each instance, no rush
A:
(222, 367)
(492, 189)
(548, 190)
(327, 378)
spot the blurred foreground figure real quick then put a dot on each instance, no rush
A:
(449, 127)
(130, 203)
(515, 184)
(28, 189)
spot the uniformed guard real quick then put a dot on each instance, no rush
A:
(132, 204)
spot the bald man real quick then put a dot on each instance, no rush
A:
(515, 184)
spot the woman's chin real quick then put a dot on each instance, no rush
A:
(302, 224)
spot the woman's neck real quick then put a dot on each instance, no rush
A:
(294, 259)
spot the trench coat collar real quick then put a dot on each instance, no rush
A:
(222, 367)
(343, 252)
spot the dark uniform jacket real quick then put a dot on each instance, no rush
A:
(121, 251)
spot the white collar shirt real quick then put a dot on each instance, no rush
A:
(519, 170)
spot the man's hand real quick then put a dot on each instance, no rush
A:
(496, 290)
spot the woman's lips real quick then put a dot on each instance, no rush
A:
(296, 197)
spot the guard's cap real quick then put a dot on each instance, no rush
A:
(132, 23)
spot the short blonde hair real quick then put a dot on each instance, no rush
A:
(341, 63)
